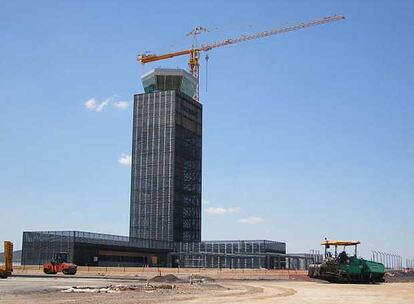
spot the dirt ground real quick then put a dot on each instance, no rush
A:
(47, 289)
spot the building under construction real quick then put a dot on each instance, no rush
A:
(165, 206)
(95, 249)
(166, 159)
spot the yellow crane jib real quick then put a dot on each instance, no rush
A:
(194, 51)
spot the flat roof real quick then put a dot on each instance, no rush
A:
(169, 72)
(340, 243)
(121, 240)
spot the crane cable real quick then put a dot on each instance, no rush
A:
(206, 69)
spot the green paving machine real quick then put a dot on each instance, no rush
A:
(345, 268)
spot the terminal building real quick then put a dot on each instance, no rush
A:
(95, 249)
(165, 206)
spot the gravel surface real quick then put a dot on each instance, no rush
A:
(399, 276)
(18, 290)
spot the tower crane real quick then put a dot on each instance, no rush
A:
(194, 51)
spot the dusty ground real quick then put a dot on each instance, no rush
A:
(48, 290)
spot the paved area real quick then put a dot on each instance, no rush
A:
(48, 290)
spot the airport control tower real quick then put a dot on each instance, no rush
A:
(166, 158)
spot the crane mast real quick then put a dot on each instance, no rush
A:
(194, 51)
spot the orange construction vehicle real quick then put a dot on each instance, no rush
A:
(59, 264)
(7, 270)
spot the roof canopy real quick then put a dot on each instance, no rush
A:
(340, 243)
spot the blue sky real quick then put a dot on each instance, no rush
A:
(307, 135)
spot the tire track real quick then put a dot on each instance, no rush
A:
(259, 292)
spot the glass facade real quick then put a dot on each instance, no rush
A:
(233, 247)
(93, 249)
(158, 80)
(230, 254)
(97, 249)
(39, 247)
(166, 167)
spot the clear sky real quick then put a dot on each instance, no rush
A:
(307, 135)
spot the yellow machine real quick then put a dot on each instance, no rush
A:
(7, 270)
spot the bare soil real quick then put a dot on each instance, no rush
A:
(47, 289)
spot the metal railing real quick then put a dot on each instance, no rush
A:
(390, 260)
(409, 264)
